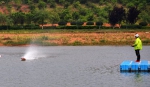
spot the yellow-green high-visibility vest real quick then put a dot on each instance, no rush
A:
(138, 44)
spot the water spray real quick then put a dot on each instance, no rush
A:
(32, 53)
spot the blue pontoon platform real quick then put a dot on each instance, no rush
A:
(129, 65)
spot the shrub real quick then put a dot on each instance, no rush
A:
(147, 41)
(80, 23)
(9, 43)
(16, 43)
(90, 23)
(83, 12)
(76, 43)
(32, 7)
(66, 5)
(31, 26)
(62, 23)
(99, 23)
(131, 26)
(53, 5)
(4, 27)
(76, 4)
(79, 27)
(44, 38)
(70, 27)
(41, 5)
(73, 23)
(143, 23)
(18, 27)
(145, 27)
(84, 27)
(90, 5)
(102, 41)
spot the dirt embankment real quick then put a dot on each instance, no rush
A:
(14, 8)
(48, 39)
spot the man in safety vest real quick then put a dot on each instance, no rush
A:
(137, 46)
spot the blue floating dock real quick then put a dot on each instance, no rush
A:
(129, 65)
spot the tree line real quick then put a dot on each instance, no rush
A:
(130, 12)
(119, 14)
(136, 2)
(116, 16)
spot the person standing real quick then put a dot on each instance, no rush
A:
(137, 47)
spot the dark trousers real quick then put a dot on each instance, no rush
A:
(137, 52)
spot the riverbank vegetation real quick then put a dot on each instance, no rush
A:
(93, 37)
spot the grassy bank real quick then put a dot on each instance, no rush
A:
(26, 31)
(63, 37)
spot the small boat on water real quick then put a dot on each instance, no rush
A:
(23, 59)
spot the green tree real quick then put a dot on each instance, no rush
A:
(18, 18)
(50, 1)
(29, 18)
(90, 17)
(65, 15)
(62, 1)
(18, 1)
(36, 1)
(83, 1)
(102, 15)
(7, 1)
(53, 5)
(116, 15)
(144, 16)
(114, 1)
(101, 2)
(32, 7)
(66, 5)
(54, 17)
(3, 19)
(25, 1)
(9, 21)
(40, 17)
(83, 11)
(42, 5)
(76, 4)
(75, 15)
(132, 15)
(130, 4)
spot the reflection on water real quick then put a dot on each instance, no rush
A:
(137, 74)
(138, 77)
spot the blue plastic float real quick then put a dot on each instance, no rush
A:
(128, 65)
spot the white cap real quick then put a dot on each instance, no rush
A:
(136, 35)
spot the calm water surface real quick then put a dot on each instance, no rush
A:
(70, 66)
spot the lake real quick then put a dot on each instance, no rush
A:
(70, 66)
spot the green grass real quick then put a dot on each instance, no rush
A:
(146, 42)
(16, 43)
(77, 43)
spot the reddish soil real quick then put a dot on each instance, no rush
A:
(119, 38)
